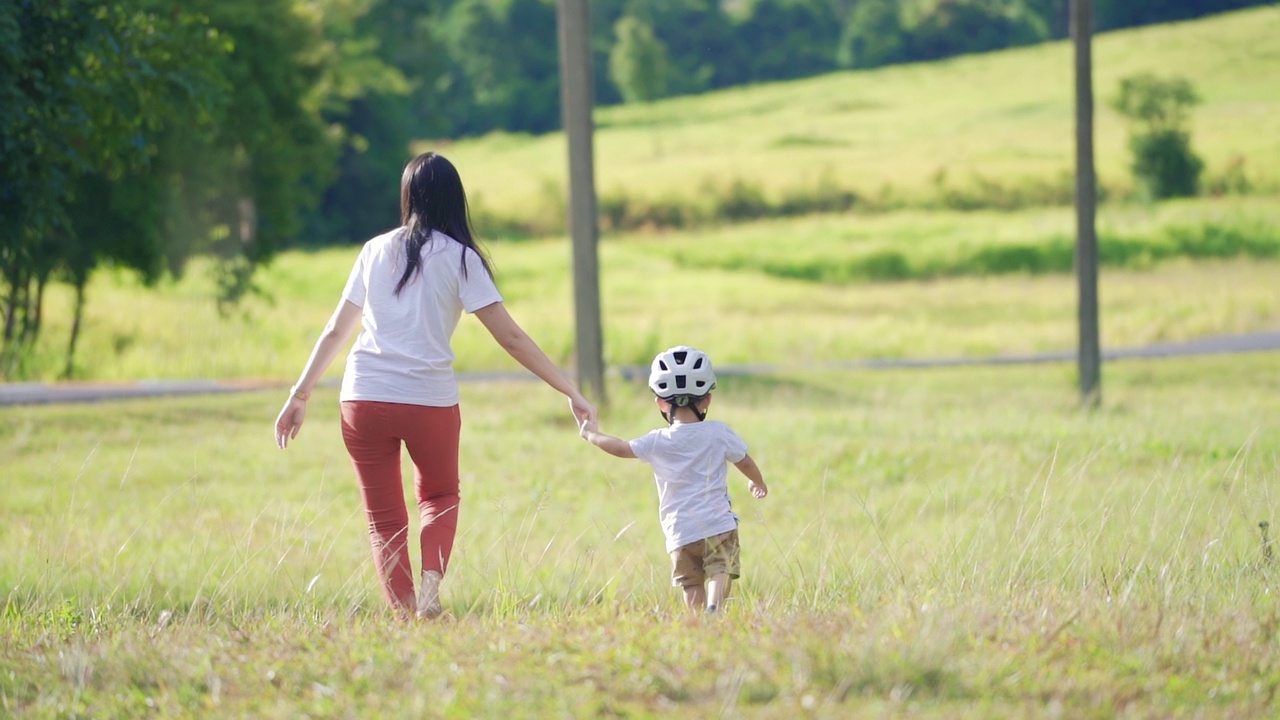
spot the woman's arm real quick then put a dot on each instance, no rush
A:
(512, 338)
(335, 336)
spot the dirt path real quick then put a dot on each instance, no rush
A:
(44, 393)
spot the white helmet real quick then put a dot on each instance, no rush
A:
(680, 371)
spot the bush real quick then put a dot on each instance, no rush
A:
(1163, 161)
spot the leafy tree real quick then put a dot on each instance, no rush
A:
(1163, 161)
(504, 66)
(142, 132)
(783, 39)
(954, 27)
(701, 49)
(638, 62)
(395, 102)
(88, 91)
(872, 36)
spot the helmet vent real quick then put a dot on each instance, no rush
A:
(663, 365)
(680, 357)
(680, 382)
(697, 364)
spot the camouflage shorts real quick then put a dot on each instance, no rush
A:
(693, 563)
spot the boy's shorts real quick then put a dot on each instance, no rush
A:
(693, 563)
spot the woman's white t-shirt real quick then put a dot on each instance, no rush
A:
(689, 466)
(403, 353)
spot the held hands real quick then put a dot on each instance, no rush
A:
(583, 411)
(758, 488)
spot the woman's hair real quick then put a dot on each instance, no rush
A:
(432, 198)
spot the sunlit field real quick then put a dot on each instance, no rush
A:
(1003, 116)
(951, 543)
(941, 543)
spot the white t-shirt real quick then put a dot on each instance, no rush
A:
(403, 354)
(689, 467)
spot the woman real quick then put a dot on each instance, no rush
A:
(408, 289)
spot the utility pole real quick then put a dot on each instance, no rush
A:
(576, 103)
(1090, 356)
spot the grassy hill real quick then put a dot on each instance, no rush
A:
(1004, 116)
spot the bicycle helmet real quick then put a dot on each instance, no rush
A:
(682, 375)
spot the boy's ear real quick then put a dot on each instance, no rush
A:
(705, 402)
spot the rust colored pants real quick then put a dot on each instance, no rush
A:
(373, 433)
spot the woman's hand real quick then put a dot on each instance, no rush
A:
(583, 411)
(289, 422)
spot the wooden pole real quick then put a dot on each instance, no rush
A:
(1090, 355)
(575, 106)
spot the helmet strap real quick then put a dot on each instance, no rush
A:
(679, 401)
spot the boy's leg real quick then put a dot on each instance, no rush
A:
(721, 562)
(717, 591)
(687, 574)
(695, 597)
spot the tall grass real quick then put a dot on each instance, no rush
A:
(951, 543)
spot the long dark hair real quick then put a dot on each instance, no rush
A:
(432, 198)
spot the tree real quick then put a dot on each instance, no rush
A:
(784, 39)
(88, 90)
(954, 27)
(389, 103)
(143, 132)
(638, 61)
(1163, 161)
(873, 35)
(503, 66)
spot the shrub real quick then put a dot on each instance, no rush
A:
(1163, 162)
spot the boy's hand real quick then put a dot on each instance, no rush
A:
(758, 489)
(590, 425)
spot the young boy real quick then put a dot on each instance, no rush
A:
(688, 460)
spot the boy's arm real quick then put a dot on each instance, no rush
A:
(616, 447)
(748, 467)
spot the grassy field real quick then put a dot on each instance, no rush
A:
(741, 293)
(958, 543)
(1002, 116)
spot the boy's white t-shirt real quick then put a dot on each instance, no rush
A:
(689, 466)
(403, 353)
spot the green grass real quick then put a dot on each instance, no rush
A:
(1004, 118)
(960, 543)
(747, 294)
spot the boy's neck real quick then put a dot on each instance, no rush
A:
(684, 416)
